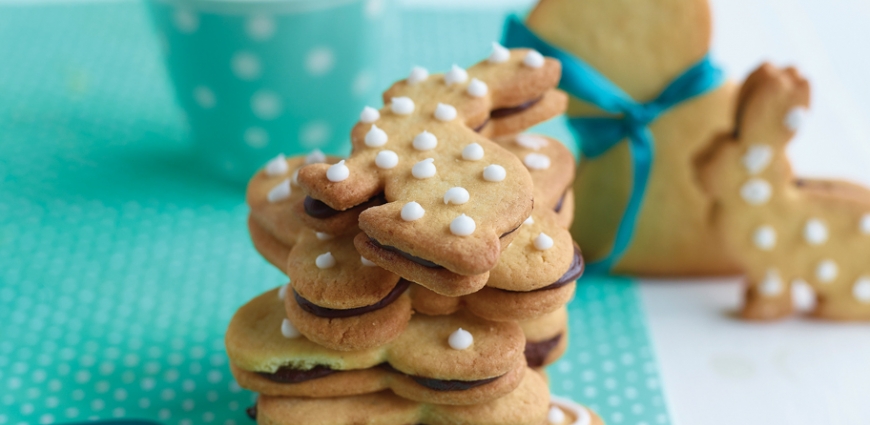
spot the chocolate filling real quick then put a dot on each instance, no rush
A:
(506, 112)
(558, 207)
(318, 209)
(252, 412)
(479, 128)
(537, 352)
(575, 270)
(288, 375)
(332, 313)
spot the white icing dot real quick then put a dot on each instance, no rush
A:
(280, 192)
(530, 141)
(295, 179)
(445, 112)
(865, 224)
(337, 172)
(277, 166)
(376, 137)
(756, 191)
(802, 296)
(477, 88)
(402, 105)
(472, 152)
(246, 65)
(412, 211)
(462, 225)
(315, 157)
(456, 196)
(386, 160)
(455, 75)
(861, 290)
(772, 284)
(543, 242)
(288, 330)
(319, 61)
(325, 261)
(815, 232)
(460, 339)
(757, 158)
(282, 293)
(796, 118)
(369, 115)
(555, 416)
(323, 236)
(529, 220)
(499, 54)
(764, 238)
(826, 271)
(424, 169)
(418, 74)
(533, 59)
(204, 97)
(425, 141)
(494, 173)
(366, 262)
(537, 161)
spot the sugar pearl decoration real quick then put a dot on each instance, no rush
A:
(323, 236)
(772, 284)
(386, 159)
(555, 416)
(279, 192)
(376, 137)
(325, 261)
(537, 161)
(530, 141)
(533, 59)
(418, 75)
(499, 54)
(815, 232)
(494, 173)
(288, 330)
(315, 157)
(425, 141)
(543, 242)
(445, 112)
(402, 105)
(756, 191)
(472, 152)
(366, 262)
(456, 75)
(369, 115)
(764, 238)
(337, 172)
(424, 169)
(477, 88)
(865, 224)
(861, 290)
(277, 166)
(757, 158)
(796, 118)
(460, 339)
(412, 211)
(826, 271)
(282, 293)
(456, 196)
(462, 225)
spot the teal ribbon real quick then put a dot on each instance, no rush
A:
(630, 122)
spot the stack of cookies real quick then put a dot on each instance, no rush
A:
(429, 271)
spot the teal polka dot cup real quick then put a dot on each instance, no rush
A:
(261, 77)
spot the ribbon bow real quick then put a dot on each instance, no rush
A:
(630, 120)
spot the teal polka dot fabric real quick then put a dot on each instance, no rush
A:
(122, 257)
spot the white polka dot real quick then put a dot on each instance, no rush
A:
(815, 232)
(325, 261)
(764, 238)
(412, 211)
(460, 339)
(246, 66)
(185, 20)
(386, 160)
(266, 104)
(445, 112)
(543, 242)
(402, 105)
(827, 271)
(537, 161)
(337, 172)
(462, 225)
(369, 115)
(757, 158)
(362, 83)
(418, 75)
(494, 173)
(424, 169)
(204, 97)
(772, 285)
(288, 330)
(861, 290)
(319, 61)
(256, 137)
(456, 196)
(376, 137)
(260, 27)
(456, 75)
(472, 152)
(533, 59)
(796, 118)
(499, 54)
(756, 191)
(425, 141)
(315, 134)
(374, 8)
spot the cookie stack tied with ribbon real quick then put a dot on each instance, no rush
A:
(429, 271)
